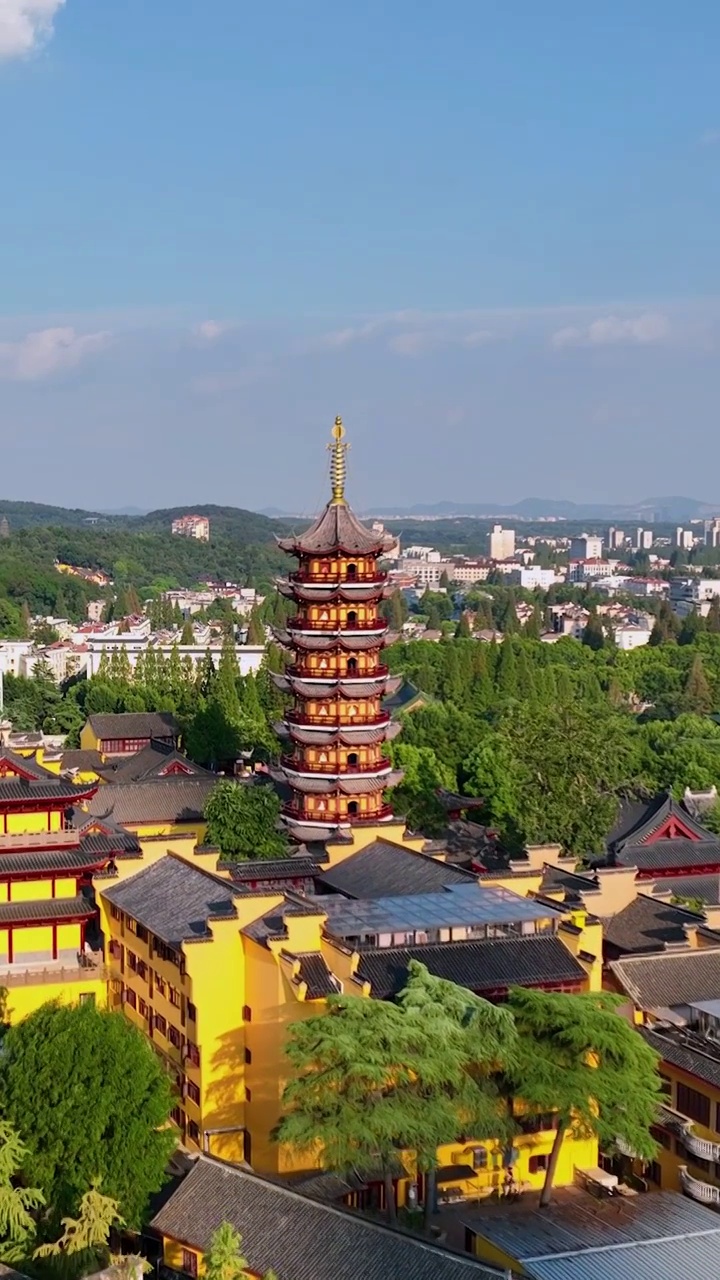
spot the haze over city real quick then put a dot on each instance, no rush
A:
(484, 234)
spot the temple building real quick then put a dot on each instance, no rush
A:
(335, 762)
(50, 944)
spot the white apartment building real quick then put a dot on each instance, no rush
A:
(588, 546)
(711, 532)
(192, 527)
(615, 539)
(533, 577)
(501, 543)
(644, 539)
(684, 538)
(248, 656)
(587, 570)
(241, 599)
(630, 635)
(469, 571)
(12, 656)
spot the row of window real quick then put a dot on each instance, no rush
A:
(162, 1026)
(155, 981)
(156, 945)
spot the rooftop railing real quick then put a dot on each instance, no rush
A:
(705, 1192)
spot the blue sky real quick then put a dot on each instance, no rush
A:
(485, 231)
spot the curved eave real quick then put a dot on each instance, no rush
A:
(334, 633)
(318, 782)
(332, 787)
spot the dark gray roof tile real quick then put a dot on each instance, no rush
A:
(671, 978)
(135, 724)
(492, 965)
(174, 799)
(46, 909)
(175, 900)
(646, 925)
(300, 1238)
(382, 868)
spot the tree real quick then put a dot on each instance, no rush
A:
(593, 636)
(462, 630)
(17, 1225)
(242, 821)
(416, 797)
(460, 1092)
(93, 1101)
(697, 694)
(224, 1259)
(577, 1057)
(256, 628)
(187, 635)
(712, 621)
(353, 1101)
(88, 1234)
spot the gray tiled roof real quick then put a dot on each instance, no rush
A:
(271, 869)
(647, 925)
(687, 1051)
(582, 1238)
(50, 788)
(135, 724)
(175, 900)
(492, 965)
(705, 888)
(300, 1238)
(46, 909)
(382, 868)
(670, 979)
(314, 972)
(637, 820)
(338, 527)
(71, 860)
(174, 799)
(149, 763)
(664, 854)
(88, 759)
(26, 764)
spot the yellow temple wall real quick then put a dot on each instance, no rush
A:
(24, 1000)
(27, 823)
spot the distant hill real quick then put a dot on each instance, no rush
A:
(661, 510)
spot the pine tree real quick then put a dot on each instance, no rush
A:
(593, 636)
(712, 621)
(506, 677)
(256, 629)
(697, 695)
(25, 620)
(187, 636)
(462, 630)
(578, 1058)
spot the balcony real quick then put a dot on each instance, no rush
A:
(332, 721)
(89, 968)
(303, 577)
(297, 814)
(705, 1192)
(40, 840)
(337, 770)
(679, 1125)
(333, 628)
(301, 672)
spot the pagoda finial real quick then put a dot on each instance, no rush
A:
(338, 449)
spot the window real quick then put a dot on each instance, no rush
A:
(193, 1132)
(86, 997)
(132, 961)
(193, 1092)
(191, 1011)
(352, 571)
(538, 1164)
(130, 998)
(193, 1053)
(159, 985)
(115, 912)
(351, 666)
(247, 1013)
(479, 1157)
(693, 1104)
(131, 925)
(248, 1095)
(539, 1123)
(173, 997)
(142, 933)
(665, 1086)
(174, 1036)
(142, 1009)
(142, 970)
(352, 808)
(352, 757)
(160, 1024)
(248, 1057)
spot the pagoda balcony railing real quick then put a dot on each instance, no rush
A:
(39, 840)
(337, 819)
(331, 628)
(312, 673)
(334, 770)
(705, 1192)
(337, 721)
(336, 579)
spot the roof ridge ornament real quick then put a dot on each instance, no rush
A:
(338, 464)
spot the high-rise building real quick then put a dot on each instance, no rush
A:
(644, 539)
(502, 543)
(712, 532)
(336, 730)
(192, 527)
(615, 539)
(588, 546)
(684, 538)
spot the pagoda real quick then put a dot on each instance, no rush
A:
(335, 762)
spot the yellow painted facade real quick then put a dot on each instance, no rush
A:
(225, 1008)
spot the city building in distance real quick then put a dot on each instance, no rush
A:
(502, 543)
(192, 527)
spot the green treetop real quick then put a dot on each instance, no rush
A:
(242, 821)
(225, 1260)
(579, 1058)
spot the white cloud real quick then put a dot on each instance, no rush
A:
(209, 329)
(47, 351)
(478, 338)
(641, 330)
(25, 25)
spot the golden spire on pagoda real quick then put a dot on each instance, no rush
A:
(338, 449)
